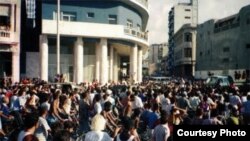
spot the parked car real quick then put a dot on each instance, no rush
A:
(220, 80)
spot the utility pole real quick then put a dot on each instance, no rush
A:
(58, 39)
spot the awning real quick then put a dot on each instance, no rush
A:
(4, 10)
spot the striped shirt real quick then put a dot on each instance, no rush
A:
(161, 132)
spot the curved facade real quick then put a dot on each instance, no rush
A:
(101, 40)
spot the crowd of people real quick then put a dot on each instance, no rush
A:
(34, 110)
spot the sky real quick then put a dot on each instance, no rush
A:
(208, 9)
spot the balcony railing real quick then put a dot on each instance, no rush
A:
(143, 2)
(4, 33)
(136, 33)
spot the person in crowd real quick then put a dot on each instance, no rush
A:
(111, 121)
(246, 110)
(43, 130)
(162, 132)
(97, 104)
(97, 132)
(84, 110)
(30, 125)
(55, 107)
(62, 135)
(128, 132)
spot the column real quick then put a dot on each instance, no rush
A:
(111, 63)
(139, 69)
(104, 61)
(133, 63)
(12, 20)
(44, 57)
(97, 65)
(78, 61)
(115, 71)
(193, 59)
(16, 64)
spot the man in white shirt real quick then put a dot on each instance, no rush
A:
(137, 103)
(162, 132)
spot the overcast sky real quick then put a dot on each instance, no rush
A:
(208, 9)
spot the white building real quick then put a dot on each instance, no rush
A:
(10, 39)
(180, 14)
(97, 39)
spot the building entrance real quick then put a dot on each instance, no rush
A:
(5, 64)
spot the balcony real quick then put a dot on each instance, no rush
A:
(135, 33)
(5, 36)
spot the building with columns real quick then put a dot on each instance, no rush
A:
(10, 39)
(99, 40)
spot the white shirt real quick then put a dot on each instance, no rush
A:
(98, 107)
(165, 102)
(137, 103)
(22, 100)
(22, 135)
(161, 132)
(111, 100)
(97, 136)
(42, 131)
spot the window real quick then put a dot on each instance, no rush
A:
(248, 20)
(200, 35)
(139, 27)
(112, 19)
(4, 21)
(65, 16)
(248, 46)
(225, 60)
(187, 52)
(90, 15)
(5, 16)
(68, 16)
(188, 37)
(187, 17)
(187, 9)
(201, 53)
(129, 23)
(226, 49)
(208, 52)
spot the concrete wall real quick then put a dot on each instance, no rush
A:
(32, 65)
(224, 50)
